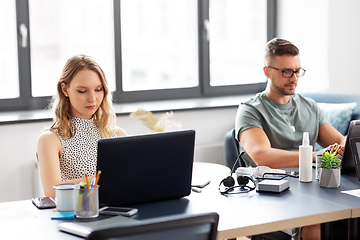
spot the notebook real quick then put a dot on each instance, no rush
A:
(145, 168)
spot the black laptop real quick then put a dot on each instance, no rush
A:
(145, 168)
(349, 162)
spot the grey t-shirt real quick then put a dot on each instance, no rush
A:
(276, 120)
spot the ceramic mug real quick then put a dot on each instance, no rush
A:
(65, 197)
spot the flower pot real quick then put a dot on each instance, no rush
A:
(329, 178)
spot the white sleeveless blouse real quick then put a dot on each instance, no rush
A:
(79, 154)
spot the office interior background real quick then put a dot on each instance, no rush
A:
(325, 32)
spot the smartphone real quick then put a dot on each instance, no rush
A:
(128, 212)
(44, 202)
(292, 173)
(202, 185)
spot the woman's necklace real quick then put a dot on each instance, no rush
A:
(284, 116)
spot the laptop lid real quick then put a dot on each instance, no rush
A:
(348, 161)
(145, 168)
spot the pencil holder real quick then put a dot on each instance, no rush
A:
(318, 163)
(87, 204)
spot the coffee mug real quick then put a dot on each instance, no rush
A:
(65, 197)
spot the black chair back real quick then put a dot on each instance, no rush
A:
(194, 227)
(232, 150)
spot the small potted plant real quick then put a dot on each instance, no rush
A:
(329, 175)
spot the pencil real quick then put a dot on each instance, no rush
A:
(87, 181)
(337, 150)
(97, 178)
(332, 149)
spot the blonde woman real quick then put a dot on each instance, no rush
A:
(83, 115)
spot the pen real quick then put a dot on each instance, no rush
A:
(332, 149)
(92, 183)
(337, 150)
(87, 181)
(97, 178)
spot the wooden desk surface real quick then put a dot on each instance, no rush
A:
(240, 215)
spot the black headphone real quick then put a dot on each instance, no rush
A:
(229, 182)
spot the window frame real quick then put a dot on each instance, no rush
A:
(27, 102)
(239, 88)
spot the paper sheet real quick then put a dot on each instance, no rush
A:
(15, 212)
(355, 192)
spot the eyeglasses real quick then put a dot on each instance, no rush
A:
(289, 73)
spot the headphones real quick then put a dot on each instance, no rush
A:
(229, 182)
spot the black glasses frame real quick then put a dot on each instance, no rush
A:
(298, 73)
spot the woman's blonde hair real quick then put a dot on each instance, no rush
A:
(103, 117)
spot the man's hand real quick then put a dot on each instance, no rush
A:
(337, 150)
(334, 149)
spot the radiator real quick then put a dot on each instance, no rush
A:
(38, 189)
(210, 153)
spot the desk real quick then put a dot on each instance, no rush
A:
(255, 213)
(240, 215)
(348, 182)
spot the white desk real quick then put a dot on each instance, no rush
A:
(240, 215)
(203, 172)
(255, 213)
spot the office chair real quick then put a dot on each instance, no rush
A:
(232, 150)
(194, 227)
(272, 236)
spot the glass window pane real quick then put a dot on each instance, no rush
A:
(237, 41)
(9, 74)
(61, 29)
(159, 44)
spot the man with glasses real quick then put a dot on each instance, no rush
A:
(270, 125)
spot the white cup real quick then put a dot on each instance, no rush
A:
(65, 197)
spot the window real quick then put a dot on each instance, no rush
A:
(158, 51)
(237, 49)
(9, 78)
(149, 49)
(59, 32)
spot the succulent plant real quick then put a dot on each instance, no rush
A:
(330, 161)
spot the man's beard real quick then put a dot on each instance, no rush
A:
(284, 92)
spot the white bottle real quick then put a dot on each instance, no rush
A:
(305, 159)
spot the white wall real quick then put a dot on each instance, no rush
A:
(18, 145)
(327, 33)
(344, 46)
(305, 24)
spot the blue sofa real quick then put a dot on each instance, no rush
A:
(337, 98)
(231, 144)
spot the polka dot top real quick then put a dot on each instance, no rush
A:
(79, 154)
